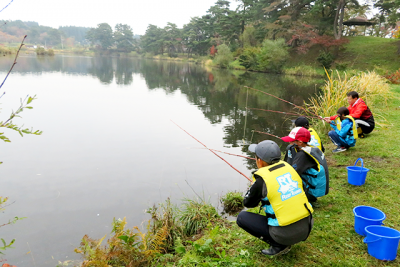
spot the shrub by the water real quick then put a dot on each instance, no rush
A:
(248, 58)
(125, 247)
(325, 59)
(40, 51)
(78, 50)
(5, 51)
(232, 202)
(224, 56)
(272, 56)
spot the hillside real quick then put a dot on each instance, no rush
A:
(362, 53)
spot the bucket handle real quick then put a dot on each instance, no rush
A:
(366, 241)
(362, 163)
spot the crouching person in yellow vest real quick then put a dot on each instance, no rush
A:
(310, 164)
(279, 188)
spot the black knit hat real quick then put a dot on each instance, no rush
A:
(301, 122)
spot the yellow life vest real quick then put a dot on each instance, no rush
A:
(315, 140)
(285, 193)
(339, 125)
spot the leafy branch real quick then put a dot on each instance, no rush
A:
(2, 206)
(15, 114)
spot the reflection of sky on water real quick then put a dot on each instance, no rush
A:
(108, 148)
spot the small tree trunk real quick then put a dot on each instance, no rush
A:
(339, 20)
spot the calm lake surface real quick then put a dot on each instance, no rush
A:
(109, 148)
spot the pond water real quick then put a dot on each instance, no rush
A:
(109, 148)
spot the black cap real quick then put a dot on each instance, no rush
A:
(301, 122)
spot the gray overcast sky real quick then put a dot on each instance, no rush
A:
(89, 13)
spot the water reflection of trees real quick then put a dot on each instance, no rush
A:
(219, 94)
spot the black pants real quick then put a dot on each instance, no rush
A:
(371, 122)
(256, 225)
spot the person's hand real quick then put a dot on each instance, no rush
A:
(327, 119)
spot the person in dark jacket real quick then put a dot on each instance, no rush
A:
(279, 188)
(309, 162)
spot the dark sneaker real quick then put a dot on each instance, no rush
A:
(339, 149)
(276, 251)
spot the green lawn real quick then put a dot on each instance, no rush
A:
(361, 53)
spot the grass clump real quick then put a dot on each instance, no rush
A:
(125, 247)
(195, 216)
(232, 202)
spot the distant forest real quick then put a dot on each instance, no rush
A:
(12, 32)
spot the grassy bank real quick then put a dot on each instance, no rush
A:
(204, 239)
(361, 53)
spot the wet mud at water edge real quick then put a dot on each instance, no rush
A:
(109, 149)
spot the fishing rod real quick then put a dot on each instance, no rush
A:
(282, 112)
(286, 102)
(268, 134)
(212, 151)
(231, 154)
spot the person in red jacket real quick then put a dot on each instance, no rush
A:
(360, 112)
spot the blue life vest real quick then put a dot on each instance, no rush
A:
(316, 182)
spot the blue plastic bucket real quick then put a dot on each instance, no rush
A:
(382, 242)
(365, 216)
(357, 175)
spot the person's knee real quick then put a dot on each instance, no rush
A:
(331, 133)
(239, 219)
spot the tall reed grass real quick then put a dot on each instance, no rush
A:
(370, 86)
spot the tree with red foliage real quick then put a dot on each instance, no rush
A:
(213, 51)
(305, 37)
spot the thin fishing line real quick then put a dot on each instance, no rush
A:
(193, 189)
(285, 101)
(283, 112)
(7, 5)
(245, 119)
(212, 151)
(231, 154)
(268, 134)
(252, 134)
(227, 153)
